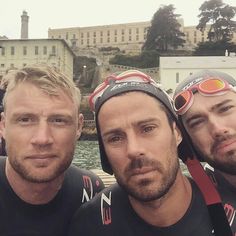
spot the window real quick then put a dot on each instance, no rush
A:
(108, 33)
(101, 40)
(115, 39)
(45, 50)
(82, 35)
(130, 31)
(74, 36)
(87, 34)
(24, 64)
(11, 65)
(53, 50)
(202, 39)
(122, 31)
(130, 38)
(74, 44)
(195, 40)
(195, 33)
(115, 32)
(87, 41)
(177, 78)
(108, 40)
(94, 34)
(101, 33)
(82, 41)
(12, 50)
(3, 51)
(2, 65)
(137, 37)
(67, 36)
(123, 39)
(94, 40)
(24, 50)
(36, 50)
(137, 30)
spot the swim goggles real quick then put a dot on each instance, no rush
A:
(131, 77)
(209, 87)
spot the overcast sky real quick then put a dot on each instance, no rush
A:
(46, 14)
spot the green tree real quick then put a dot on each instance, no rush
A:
(214, 48)
(164, 31)
(147, 59)
(219, 15)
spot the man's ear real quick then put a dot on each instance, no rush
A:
(80, 125)
(2, 124)
(178, 135)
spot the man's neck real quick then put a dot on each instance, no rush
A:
(230, 178)
(32, 193)
(170, 208)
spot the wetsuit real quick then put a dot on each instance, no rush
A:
(18, 218)
(110, 213)
(227, 193)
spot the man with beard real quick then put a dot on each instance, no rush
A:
(40, 189)
(206, 104)
(138, 140)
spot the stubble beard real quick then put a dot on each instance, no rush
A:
(51, 175)
(218, 162)
(163, 185)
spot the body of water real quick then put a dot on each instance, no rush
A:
(87, 156)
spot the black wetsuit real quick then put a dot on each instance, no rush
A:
(19, 218)
(227, 193)
(110, 214)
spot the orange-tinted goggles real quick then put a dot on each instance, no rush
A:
(213, 86)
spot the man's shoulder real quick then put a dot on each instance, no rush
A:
(84, 182)
(75, 172)
(109, 197)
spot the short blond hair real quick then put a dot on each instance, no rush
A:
(47, 78)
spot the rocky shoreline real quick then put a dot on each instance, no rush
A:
(89, 134)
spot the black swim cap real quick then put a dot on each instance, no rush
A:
(129, 81)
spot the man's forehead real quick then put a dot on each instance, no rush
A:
(203, 102)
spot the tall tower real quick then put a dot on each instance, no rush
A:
(24, 25)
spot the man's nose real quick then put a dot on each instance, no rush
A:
(42, 134)
(218, 127)
(135, 146)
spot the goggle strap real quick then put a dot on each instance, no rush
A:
(205, 184)
(212, 198)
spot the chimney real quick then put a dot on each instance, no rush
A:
(24, 25)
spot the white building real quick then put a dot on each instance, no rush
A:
(16, 53)
(175, 69)
(128, 37)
